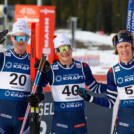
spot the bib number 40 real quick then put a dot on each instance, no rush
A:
(69, 91)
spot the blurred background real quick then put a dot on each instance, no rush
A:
(108, 16)
(103, 17)
(90, 25)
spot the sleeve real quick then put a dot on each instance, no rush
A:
(1, 60)
(44, 80)
(111, 92)
(90, 81)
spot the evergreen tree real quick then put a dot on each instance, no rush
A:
(94, 15)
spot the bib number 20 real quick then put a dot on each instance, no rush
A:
(21, 79)
(68, 91)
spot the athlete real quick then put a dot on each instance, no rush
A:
(65, 77)
(14, 81)
(120, 79)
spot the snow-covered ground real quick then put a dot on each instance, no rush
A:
(107, 58)
(87, 36)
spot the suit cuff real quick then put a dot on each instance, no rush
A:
(91, 99)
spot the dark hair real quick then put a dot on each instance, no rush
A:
(122, 31)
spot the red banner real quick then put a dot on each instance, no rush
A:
(33, 52)
(44, 17)
(42, 39)
(47, 22)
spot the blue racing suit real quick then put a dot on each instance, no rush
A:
(14, 87)
(124, 79)
(69, 117)
(120, 81)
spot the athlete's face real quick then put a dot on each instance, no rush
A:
(65, 55)
(125, 51)
(20, 41)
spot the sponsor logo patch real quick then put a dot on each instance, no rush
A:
(117, 69)
(79, 125)
(123, 124)
(62, 125)
(55, 67)
(6, 116)
(8, 65)
(20, 118)
(8, 54)
(120, 80)
(78, 65)
(58, 78)
(71, 105)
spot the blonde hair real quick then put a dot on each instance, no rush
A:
(122, 31)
